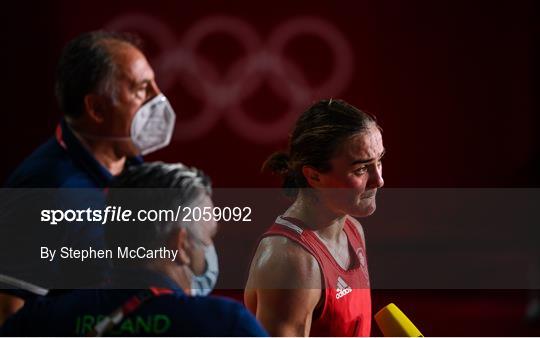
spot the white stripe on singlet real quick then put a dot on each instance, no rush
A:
(284, 222)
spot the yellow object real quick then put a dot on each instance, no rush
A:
(394, 323)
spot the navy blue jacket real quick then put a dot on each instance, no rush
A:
(176, 314)
(76, 180)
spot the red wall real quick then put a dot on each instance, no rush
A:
(450, 82)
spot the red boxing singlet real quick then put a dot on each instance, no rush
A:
(347, 297)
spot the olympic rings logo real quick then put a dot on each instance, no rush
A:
(222, 93)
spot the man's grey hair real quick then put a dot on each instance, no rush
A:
(154, 186)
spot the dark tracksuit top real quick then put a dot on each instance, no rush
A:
(174, 314)
(66, 176)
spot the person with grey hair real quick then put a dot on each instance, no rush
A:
(146, 296)
(113, 113)
(164, 187)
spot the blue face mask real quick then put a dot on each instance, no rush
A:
(204, 284)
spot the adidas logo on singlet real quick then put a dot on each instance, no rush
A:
(342, 288)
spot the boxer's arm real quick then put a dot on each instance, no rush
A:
(284, 287)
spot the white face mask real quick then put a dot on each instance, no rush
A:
(151, 128)
(153, 125)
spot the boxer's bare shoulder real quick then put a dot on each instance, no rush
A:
(282, 263)
(284, 287)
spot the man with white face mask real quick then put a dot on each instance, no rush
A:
(114, 112)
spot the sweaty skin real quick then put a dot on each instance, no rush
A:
(289, 284)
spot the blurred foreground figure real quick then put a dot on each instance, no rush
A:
(113, 112)
(149, 296)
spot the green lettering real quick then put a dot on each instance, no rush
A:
(127, 325)
(88, 322)
(162, 323)
(144, 324)
(153, 325)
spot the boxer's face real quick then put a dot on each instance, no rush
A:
(351, 185)
(135, 85)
